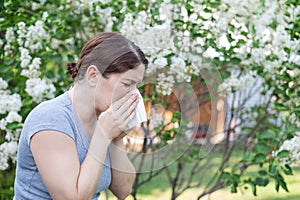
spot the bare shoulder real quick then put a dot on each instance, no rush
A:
(57, 160)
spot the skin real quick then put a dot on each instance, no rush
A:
(104, 107)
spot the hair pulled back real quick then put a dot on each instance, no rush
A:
(110, 52)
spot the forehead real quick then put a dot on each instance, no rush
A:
(136, 74)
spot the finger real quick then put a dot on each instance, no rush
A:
(128, 107)
(127, 115)
(125, 110)
(129, 118)
(123, 122)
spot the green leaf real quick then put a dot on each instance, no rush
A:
(235, 61)
(233, 188)
(13, 125)
(281, 107)
(276, 185)
(27, 102)
(261, 182)
(281, 182)
(272, 170)
(283, 154)
(291, 129)
(175, 117)
(225, 175)
(262, 172)
(253, 186)
(5, 69)
(287, 170)
(259, 158)
(262, 148)
(225, 74)
(268, 134)
(247, 157)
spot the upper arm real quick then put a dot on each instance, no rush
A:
(57, 160)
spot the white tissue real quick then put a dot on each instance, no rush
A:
(140, 112)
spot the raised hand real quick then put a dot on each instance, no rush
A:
(115, 119)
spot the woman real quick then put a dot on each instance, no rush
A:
(71, 146)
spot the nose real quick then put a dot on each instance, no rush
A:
(133, 87)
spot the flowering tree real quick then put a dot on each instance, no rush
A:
(253, 45)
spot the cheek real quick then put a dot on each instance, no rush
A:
(103, 95)
(119, 91)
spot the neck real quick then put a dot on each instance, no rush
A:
(83, 105)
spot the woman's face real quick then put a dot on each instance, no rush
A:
(114, 87)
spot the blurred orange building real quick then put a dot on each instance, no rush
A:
(206, 115)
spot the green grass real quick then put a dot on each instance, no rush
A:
(159, 188)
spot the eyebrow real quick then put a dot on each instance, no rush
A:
(132, 81)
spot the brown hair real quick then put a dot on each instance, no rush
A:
(111, 53)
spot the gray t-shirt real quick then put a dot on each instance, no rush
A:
(56, 114)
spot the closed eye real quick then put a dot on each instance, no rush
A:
(126, 84)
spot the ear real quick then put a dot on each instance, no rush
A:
(92, 75)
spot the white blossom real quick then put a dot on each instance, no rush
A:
(31, 73)
(42, 2)
(165, 84)
(179, 69)
(137, 29)
(293, 146)
(13, 135)
(36, 33)
(223, 42)
(294, 58)
(192, 70)
(70, 41)
(272, 66)
(165, 11)
(8, 150)
(3, 161)
(21, 33)
(161, 62)
(45, 15)
(13, 116)
(211, 53)
(3, 124)
(14, 102)
(184, 14)
(10, 35)
(33, 69)
(25, 57)
(140, 23)
(35, 6)
(159, 38)
(36, 62)
(39, 89)
(258, 56)
(3, 84)
(54, 43)
(235, 83)
(156, 120)
(294, 73)
(7, 49)
(103, 13)
(9, 102)
(127, 29)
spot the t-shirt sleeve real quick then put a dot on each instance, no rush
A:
(48, 116)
